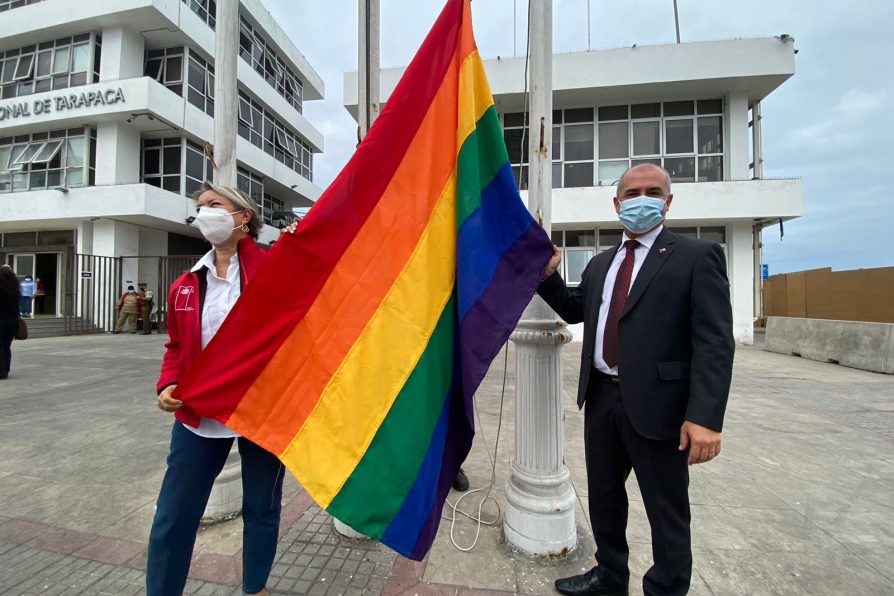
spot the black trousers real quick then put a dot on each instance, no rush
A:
(7, 333)
(613, 447)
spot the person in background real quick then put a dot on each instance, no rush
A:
(10, 307)
(147, 301)
(40, 295)
(128, 307)
(27, 288)
(198, 303)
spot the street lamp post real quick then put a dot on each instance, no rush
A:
(540, 499)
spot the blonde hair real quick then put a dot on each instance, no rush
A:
(241, 200)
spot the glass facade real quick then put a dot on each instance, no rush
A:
(255, 50)
(10, 4)
(196, 82)
(205, 9)
(595, 146)
(50, 65)
(264, 130)
(273, 210)
(580, 245)
(53, 159)
(175, 164)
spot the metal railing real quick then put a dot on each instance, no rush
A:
(92, 287)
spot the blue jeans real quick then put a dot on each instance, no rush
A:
(193, 464)
(25, 306)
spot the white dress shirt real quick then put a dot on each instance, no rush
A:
(639, 255)
(220, 296)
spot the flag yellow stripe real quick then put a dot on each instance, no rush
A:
(474, 97)
(361, 392)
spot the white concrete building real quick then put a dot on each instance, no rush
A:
(690, 107)
(106, 122)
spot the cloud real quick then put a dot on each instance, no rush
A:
(857, 102)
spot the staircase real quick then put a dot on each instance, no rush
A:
(55, 327)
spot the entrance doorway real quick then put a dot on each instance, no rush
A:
(44, 269)
(46, 274)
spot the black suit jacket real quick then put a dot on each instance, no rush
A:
(675, 333)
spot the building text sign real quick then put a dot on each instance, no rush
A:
(61, 103)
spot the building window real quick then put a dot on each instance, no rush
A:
(205, 9)
(595, 147)
(54, 159)
(580, 245)
(251, 184)
(60, 64)
(197, 169)
(274, 212)
(166, 66)
(175, 164)
(10, 4)
(200, 84)
(263, 130)
(255, 50)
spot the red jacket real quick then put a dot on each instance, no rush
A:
(185, 301)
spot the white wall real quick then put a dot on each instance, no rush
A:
(693, 202)
(153, 243)
(740, 269)
(118, 239)
(122, 54)
(736, 134)
(117, 153)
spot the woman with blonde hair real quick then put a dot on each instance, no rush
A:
(198, 302)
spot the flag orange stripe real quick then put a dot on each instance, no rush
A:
(306, 361)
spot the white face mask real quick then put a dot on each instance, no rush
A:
(215, 224)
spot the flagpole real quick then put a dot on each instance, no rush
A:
(368, 64)
(225, 499)
(540, 498)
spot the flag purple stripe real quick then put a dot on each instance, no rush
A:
(487, 325)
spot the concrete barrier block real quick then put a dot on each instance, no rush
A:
(867, 346)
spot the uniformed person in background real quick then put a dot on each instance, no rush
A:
(147, 301)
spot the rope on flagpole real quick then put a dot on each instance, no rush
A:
(480, 521)
(477, 518)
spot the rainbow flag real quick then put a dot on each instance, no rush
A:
(354, 353)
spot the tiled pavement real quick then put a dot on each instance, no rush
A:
(799, 502)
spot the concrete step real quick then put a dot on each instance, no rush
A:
(55, 327)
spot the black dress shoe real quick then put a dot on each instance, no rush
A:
(461, 482)
(589, 584)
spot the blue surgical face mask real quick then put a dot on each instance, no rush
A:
(641, 214)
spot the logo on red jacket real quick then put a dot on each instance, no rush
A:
(184, 298)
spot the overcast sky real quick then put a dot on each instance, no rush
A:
(831, 124)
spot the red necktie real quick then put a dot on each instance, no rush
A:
(619, 299)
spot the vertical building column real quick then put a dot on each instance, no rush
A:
(153, 243)
(117, 239)
(122, 54)
(117, 153)
(118, 143)
(740, 270)
(539, 497)
(736, 137)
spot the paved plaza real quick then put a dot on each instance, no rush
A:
(801, 501)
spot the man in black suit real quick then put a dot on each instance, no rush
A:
(655, 374)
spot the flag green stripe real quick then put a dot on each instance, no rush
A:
(482, 155)
(395, 452)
